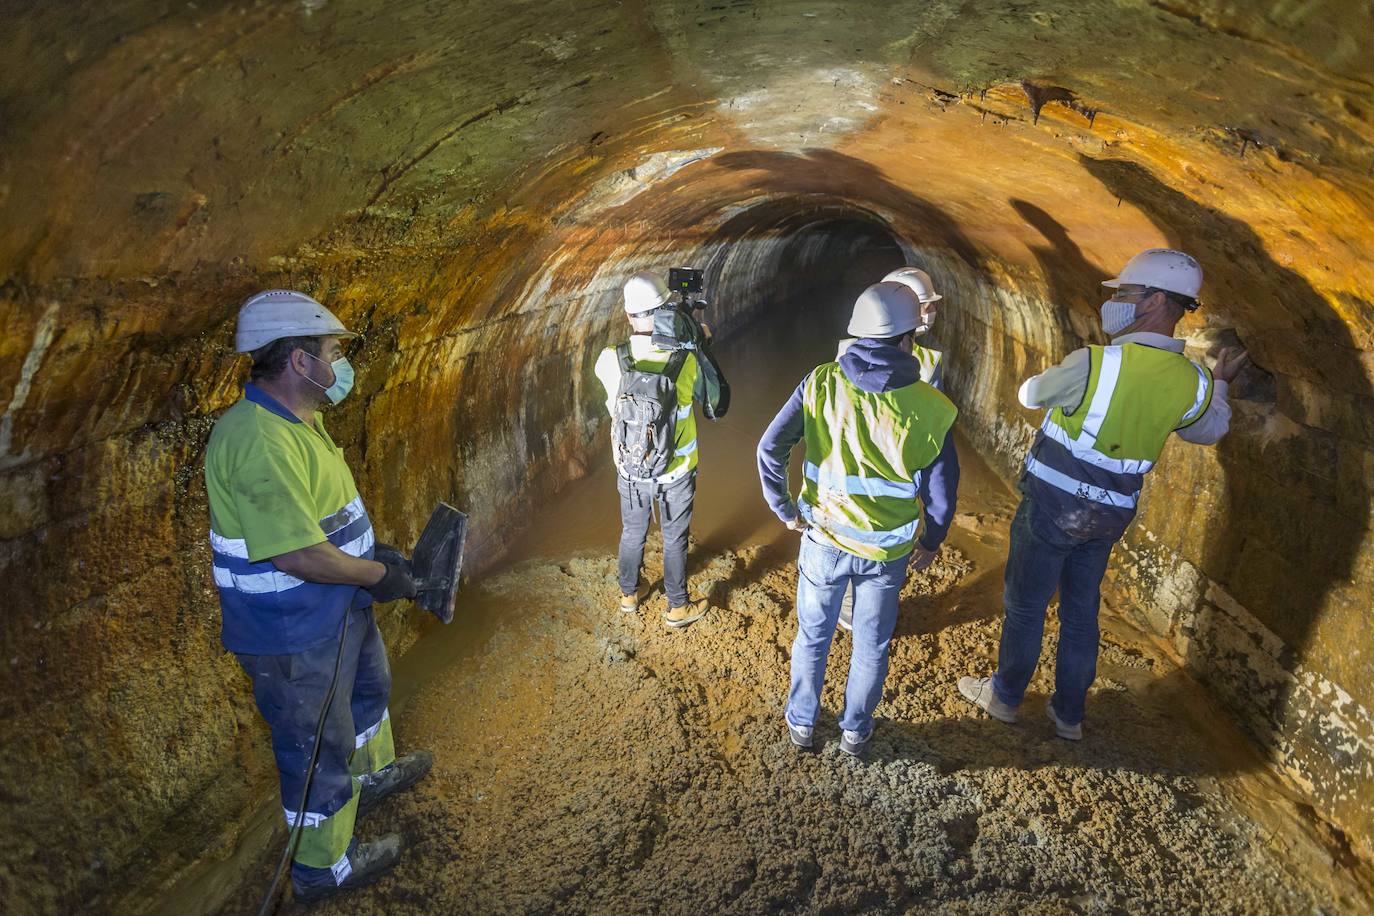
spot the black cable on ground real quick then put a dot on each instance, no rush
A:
(295, 833)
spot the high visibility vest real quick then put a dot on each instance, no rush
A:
(863, 451)
(932, 365)
(1090, 462)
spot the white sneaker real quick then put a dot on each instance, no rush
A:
(1061, 728)
(854, 744)
(847, 611)
(800, 735)
(979, 692)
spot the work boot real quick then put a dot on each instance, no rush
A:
(1061, 728)
(853, 743)
(801, 735)
(368, 862)
(979, 692)
(402, 774)
(690, 612)
(630, 603)
(847, 611)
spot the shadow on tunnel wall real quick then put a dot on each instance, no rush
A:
(1288, 528)
(1073, 279)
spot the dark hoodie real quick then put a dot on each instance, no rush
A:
(873, 367)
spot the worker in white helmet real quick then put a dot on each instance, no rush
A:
(1109, 411)
(931, 362)
(870, 424)
(292, 548)
(650, 390)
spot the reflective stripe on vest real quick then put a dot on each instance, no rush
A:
(892, 538)
(349, 529)
(1085, 448)
(1204, 385)
(1079, 488)
(862, 451)
(860, 486)
(931, 362)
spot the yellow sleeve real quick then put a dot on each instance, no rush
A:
(272, 498)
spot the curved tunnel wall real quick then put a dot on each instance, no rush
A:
(470, 189)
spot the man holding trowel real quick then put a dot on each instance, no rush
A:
(293, 556)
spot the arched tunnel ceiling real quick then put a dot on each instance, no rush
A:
(227, 131)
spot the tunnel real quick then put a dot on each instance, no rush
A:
(468, 186)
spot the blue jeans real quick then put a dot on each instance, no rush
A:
(824, 575)
(1043, 558)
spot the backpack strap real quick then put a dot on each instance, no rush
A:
(622, 353)
(675, 364)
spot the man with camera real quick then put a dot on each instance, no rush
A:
(651, 383)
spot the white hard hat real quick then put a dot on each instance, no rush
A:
(1162, 268)
(885, 310)
(917, 280)
(276, 313)
(644, 292)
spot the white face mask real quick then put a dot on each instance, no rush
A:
(927, 322)
(1117, 316)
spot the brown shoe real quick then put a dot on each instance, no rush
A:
(690, 612)
(630, 603)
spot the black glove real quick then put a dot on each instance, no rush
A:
(399, 581)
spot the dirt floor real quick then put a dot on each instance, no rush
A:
(594, 761)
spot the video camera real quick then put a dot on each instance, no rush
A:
(674, 324)
(686, 280)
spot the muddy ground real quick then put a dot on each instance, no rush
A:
(594, 761)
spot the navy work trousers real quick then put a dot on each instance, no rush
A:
(1044, 559)
(290, 690)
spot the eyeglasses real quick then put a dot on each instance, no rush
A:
(1130, 295)
(1137, 293)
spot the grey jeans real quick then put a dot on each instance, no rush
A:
(674, 503)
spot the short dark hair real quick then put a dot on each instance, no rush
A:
(1187, 303)
(270, 359)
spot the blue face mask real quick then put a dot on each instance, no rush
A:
(343, 379)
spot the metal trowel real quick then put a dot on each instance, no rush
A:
(438, 561)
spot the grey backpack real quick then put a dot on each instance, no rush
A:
(644, 427)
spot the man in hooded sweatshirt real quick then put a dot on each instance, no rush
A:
(932, 365)
(870, 425)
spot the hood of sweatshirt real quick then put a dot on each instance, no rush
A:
(876, 367)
